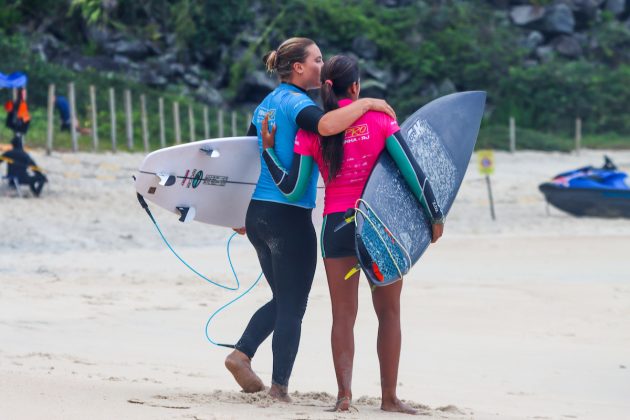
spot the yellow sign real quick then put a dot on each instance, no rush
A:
(486, 162)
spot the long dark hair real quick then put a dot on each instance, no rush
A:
(293, 50)
(338, 74)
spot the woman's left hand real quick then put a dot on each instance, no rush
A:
(268, 139)
(437, 229)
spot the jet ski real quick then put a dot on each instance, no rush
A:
(590, 191)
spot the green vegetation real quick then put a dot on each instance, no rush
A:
(422, 44)
(41, 74)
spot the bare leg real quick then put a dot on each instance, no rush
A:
(344, 299)
(386, 302)
(240, 366)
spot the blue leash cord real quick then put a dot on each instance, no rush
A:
(146, 208)
(233, 300)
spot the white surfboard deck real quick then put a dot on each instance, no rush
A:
(209, 181)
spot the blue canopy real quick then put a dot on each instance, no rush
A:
(14, 80)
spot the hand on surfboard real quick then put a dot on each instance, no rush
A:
(240, 231)
(436, 229)
(268, 139)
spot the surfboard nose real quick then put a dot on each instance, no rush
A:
(456, 117)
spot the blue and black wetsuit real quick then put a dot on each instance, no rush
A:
(283, 235)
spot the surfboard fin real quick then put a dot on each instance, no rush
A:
(187, 214)
(352, 272)
(348, 218)
(210, 152)
(166, 180)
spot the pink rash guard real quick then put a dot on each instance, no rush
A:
(363, 143)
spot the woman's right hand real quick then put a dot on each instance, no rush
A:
(380, 105)
(268, 139)
(437, 229)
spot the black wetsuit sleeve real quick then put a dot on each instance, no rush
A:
(415, 177)
(308, 118)
(291, 183)
(252, 130)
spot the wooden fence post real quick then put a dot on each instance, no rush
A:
(51, 122)
(206, 123)
(512, 135)
(191, 124)
(161, 115)
(578, 135)
(178, 136)
(234, 124)
(248, 122)
(220, 122)
(112, 114)
(129, 119)
(94, 114)
(143, 119)
(73, 118)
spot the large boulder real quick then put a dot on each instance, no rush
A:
(544, 53)
(533, 40)
(585, 11)
(255, 87)
(616, 7)
(567, 46)
(134, 49)
(559, 19)
(208, 95)
(191, 80)
(153, 78)
(527, 15)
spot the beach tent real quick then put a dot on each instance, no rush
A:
(14, 80)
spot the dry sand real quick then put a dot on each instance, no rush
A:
(525, 317)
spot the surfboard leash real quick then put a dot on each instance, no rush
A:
(145, 206)
(366, 217)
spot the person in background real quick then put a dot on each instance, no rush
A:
(22, 169)
(62, 105)
(18, 118)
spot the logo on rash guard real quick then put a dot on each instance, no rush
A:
(260, 116)
(357, 133)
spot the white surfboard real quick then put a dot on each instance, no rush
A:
(209, 181)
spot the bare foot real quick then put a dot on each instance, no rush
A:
(280, 393)
(397, 406)
(240, 366)
(342, 404)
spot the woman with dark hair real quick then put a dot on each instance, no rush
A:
(345, 161)
(281, 230)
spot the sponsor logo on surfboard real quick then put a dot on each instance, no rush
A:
(216, 180)
(192, 176)
(197, 179)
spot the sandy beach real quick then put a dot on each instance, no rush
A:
(525, 317)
